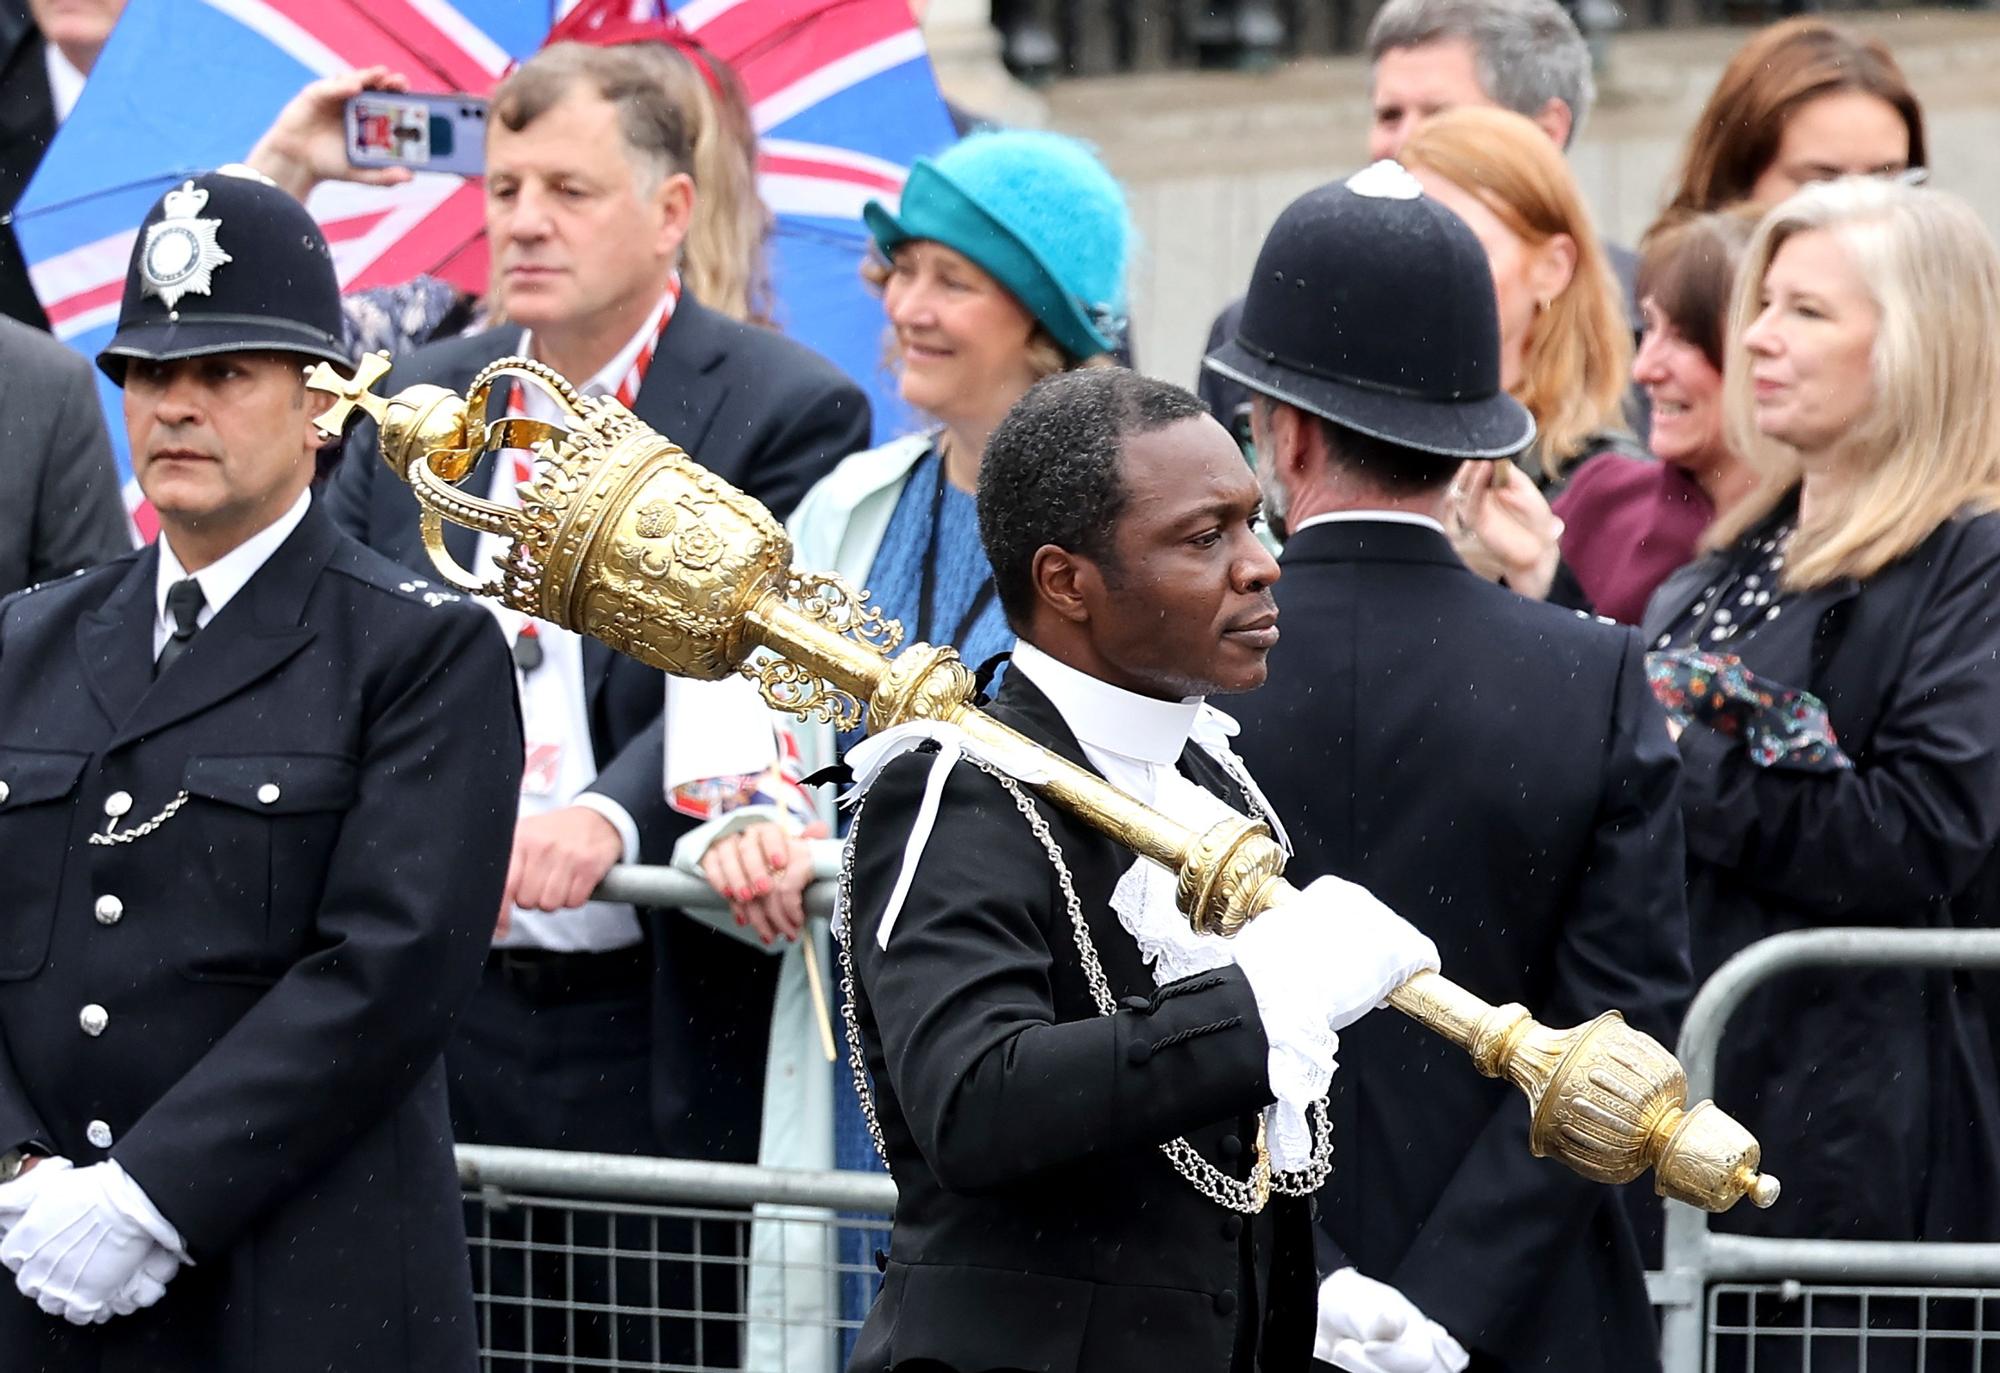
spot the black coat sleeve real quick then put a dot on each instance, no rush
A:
(20, 1122)
(1919, 813)
(993, 1086)
(1505, 1214)
(635, 778)
(79, 518)
(811, 432)
(403, 923)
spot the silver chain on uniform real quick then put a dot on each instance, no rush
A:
(850, 1021)
(1245, 1195)
(140, 831)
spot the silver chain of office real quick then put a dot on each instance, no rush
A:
(113, 835)
(1245, 1195)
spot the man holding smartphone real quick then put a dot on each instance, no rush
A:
(595, 1027)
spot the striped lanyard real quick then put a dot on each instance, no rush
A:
(635, 375)
(527, 648)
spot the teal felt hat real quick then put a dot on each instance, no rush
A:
(1039, 214)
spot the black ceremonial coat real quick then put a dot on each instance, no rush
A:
(1037, 1225)
(1496, 770)
(279, 962)
(771, 416)
(1873, 1090)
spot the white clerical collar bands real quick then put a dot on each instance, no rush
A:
(1107, 717)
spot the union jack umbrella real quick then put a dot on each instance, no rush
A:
(841, 90)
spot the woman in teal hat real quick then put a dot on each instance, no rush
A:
(1005, 262)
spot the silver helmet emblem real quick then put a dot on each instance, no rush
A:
(181, 253)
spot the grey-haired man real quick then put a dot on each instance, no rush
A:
(1428, 56)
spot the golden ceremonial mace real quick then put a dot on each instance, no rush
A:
(621, 536)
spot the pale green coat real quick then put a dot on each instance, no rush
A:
(792, 1302)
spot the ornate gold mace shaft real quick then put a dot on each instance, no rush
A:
(620, 535)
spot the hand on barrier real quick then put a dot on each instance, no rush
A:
(84, 1240)
(1367, 1326)
(559, 859)
(764, 872)
(1336, 938)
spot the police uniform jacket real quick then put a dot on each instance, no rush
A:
(771, 416)
(1496, 771)
(1038, 1226)
(272, 972)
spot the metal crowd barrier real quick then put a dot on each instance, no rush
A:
(601, 1261)
(605, 1261)
(1737, 1301)
(646, 1264)
(646, 886)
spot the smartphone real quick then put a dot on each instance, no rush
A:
(426, 133)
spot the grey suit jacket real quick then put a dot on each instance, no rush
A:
(59, 503)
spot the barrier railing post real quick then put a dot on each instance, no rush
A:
(1693, 1256)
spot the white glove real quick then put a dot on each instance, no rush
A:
(149, 1284)
(1367, 1326)
(83, 1240)
(1346, 947)
(16, 1196)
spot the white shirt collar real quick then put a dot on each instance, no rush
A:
(606, 379)
(227, 575)
(1111, 718)
(1371, 516)
(65, 81)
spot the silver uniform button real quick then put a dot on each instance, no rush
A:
(98, 1133)
(268, 793)
(117, 803)
(93, 1018)
(110, 910)
(3, 793)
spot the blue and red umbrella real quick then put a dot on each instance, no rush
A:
(842, 94)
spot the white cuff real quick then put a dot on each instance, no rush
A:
(132, 1202)
(620, 818)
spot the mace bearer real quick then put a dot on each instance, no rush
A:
(620, 535)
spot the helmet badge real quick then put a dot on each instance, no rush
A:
(181, 252)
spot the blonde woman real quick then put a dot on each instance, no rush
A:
(1863, 388)
(1565, 338)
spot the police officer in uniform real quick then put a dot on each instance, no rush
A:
(255, 806)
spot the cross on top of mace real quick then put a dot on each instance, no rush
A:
(349, 394)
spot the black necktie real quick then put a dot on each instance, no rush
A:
(184, 603)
